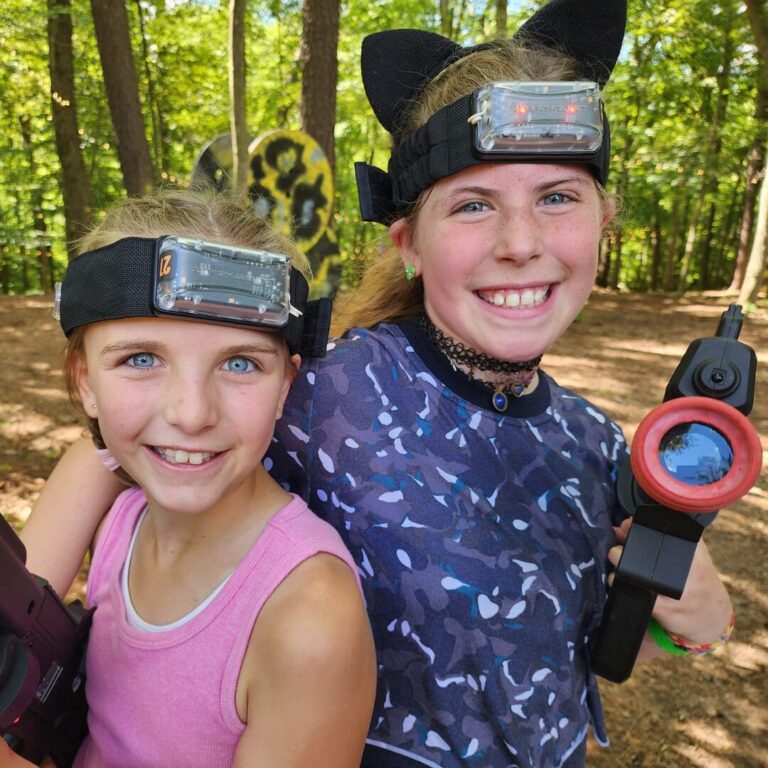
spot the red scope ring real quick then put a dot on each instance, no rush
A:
(656, 481)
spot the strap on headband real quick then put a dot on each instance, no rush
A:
(116, 282)
(441, 147)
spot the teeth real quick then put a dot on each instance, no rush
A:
(185, 457)
(530, 297)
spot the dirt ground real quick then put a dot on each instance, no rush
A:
(709, 712)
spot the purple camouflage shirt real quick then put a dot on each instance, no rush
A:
(481, 540)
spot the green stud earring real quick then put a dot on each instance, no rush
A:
(410, 272)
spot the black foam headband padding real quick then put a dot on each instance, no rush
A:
(115, 282)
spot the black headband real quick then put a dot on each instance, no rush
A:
(116, 282)
(397, 64)
(441, 147)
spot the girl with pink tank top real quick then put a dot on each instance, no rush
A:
(229, 628)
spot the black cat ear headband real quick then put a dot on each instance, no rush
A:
(397, 64)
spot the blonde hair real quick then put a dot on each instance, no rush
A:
(203, 214)
(384, 293)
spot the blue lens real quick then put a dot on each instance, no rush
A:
(695, 454)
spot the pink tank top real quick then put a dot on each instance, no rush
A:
(168, 698)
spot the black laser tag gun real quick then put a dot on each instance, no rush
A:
(691, 456)
(42, 661)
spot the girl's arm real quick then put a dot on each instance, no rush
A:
(310, 672)
(66, 514)
(701, 615)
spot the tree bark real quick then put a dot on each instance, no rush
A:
(690, 243)
(755, 162)
(39, 225)
(153, 103)
(501, 19)
(113, 38)
(756, 265)
(319, 66)
(758, 23)
(76, 189)
(238, 125)
(711, 162)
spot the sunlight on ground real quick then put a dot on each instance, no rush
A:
(16, 508)
(748, 656)
(50, 393)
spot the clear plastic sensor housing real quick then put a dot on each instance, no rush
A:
(538, 118)
(222, 282)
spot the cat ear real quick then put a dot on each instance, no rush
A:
(590, 31)
(395, 65)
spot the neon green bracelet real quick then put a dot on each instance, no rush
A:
(679, 646)
(663, 640)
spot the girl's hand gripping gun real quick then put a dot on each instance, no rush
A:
(42, 661)
(692, 455)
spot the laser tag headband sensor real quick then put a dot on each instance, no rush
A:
(182, 277)
(552, 122)
(522, 120)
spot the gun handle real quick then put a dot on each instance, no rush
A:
(616, 642)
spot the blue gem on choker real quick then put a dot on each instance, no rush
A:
(516, 376)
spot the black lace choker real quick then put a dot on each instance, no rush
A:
(516, 375)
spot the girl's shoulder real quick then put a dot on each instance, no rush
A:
(349, 362)
(382, 340)
(587, 421)
(312, 636)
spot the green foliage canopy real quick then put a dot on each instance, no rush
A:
(681, 102)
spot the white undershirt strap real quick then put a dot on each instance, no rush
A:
(134, 620)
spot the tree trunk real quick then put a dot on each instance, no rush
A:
(727, 236)
(238, 125)
(76, 189)
(656, 238)
(712, 159)
(155, 112)
(604, 259)
(756, 265)
(39, 225)
(671, 259)
(446, 22)
(690, 242)
(319, 67)
(501, 19)
(755, 162)
(113, 37)
(758, 23)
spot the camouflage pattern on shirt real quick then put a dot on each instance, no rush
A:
(481, 541)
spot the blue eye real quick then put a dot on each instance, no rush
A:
(141, 360)
(240, 365)
(557, 198)
(473, 207)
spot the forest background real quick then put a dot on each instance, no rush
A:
(103, 98)
(108, 97)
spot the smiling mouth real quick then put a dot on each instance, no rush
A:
(177, 456)
(513, 299)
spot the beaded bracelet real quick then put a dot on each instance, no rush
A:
(679, 646)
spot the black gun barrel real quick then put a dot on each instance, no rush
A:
(730, 322)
